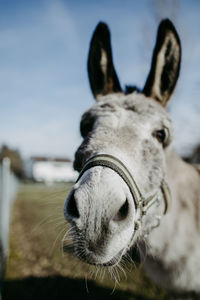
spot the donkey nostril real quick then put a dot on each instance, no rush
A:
(122, 213)
(72, 209)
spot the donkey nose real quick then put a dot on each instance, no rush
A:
(122, 212)
(70, 209)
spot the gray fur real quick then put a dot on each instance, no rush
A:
(124, 126)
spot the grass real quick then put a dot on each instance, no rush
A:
(37, 268)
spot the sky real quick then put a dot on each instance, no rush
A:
(44, 86)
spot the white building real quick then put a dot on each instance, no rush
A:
(50, 169)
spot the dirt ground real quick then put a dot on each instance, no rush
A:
(37, 268)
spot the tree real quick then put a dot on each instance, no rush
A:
(17, 165)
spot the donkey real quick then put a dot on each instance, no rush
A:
(132, 188)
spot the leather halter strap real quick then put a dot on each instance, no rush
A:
(141, 203)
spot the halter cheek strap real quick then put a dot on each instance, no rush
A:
(142, 204)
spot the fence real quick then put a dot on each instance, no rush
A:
(8, 189)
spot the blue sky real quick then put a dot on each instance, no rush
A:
(43, 80)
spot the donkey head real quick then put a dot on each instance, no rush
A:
(134, 130)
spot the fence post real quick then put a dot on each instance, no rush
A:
(8, 188)
(4, 216)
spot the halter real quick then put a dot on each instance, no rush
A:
(142, 204)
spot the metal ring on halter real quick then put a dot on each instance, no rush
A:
(141, 203)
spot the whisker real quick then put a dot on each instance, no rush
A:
(45, 221)
(52, 248)
(86, 284)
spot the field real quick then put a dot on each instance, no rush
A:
(37, 268)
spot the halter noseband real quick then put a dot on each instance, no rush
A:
(142, 204)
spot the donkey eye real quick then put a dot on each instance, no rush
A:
(162, 136)
(86, 127)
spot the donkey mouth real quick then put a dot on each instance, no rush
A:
(92, 259)
(114, 261)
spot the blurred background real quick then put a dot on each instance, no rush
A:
(43, 80)
(43, 92)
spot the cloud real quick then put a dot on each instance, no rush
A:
(46, 139)
(186, 122)
(37, 85)
(43, 80)
(44, 24)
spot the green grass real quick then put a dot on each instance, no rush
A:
(37, 268)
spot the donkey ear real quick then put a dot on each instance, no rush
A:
(102, 76)
(165, 64)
